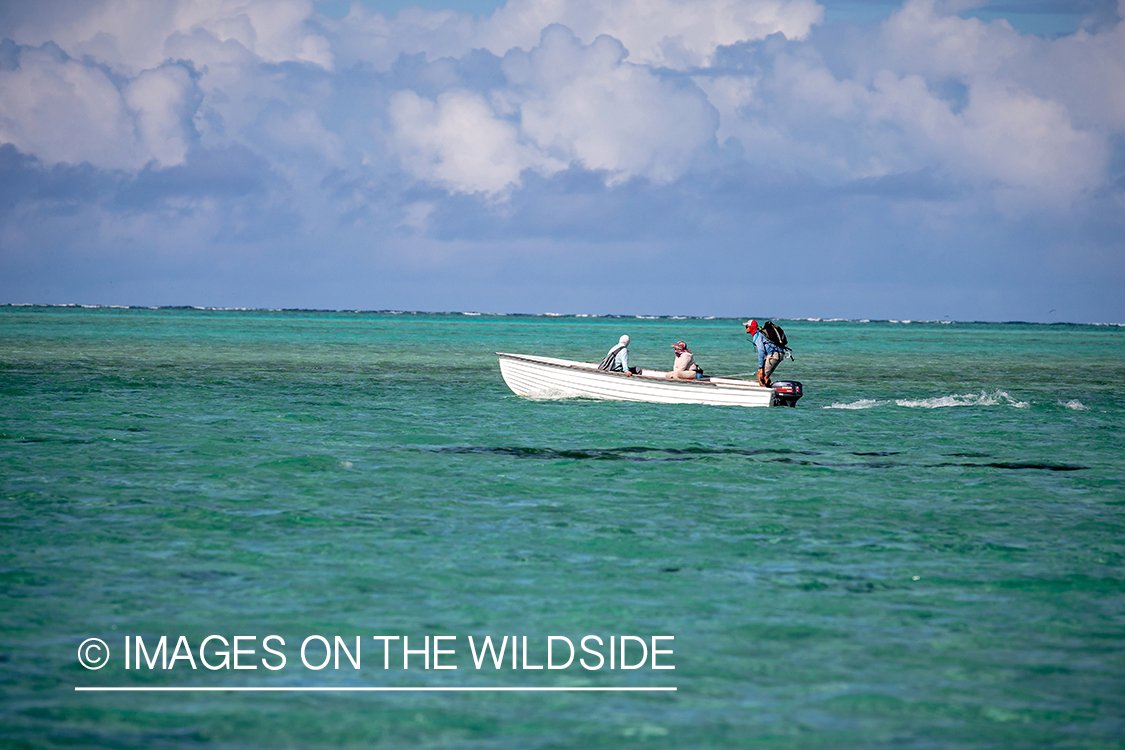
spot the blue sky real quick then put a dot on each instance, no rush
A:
(908, 160)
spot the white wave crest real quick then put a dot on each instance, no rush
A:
(968, 399)
(863, 403)
(1074, 404)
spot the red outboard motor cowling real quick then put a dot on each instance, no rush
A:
(786, 392)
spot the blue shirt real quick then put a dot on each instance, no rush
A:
(765, 348)
(621, 361)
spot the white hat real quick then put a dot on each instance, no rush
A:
(624, 340)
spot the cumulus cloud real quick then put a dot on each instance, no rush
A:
(673, 33)
(1013, 139)
(677, 34)
(586, 105)
(135, 35)
(63, 110)
(460, 142)
(628, 89)
(973, 101)
(1019, 124)
(370, 37)
(163, 100)
(563, 103)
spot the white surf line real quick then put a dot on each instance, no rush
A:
(374, 689)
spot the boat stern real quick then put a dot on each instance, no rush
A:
(786, 393)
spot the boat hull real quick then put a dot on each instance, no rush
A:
(550, 378)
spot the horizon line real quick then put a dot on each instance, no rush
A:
(379, 689)
(475, 313)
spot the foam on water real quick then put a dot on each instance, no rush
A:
(1074, 404)
(996, 398)
(863, 403)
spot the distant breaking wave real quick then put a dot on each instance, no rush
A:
(1074, 404)
(848, 321)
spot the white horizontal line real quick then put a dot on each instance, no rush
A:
(373, 689)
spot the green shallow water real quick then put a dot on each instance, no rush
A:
(927, 552)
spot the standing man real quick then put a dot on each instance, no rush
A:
(769, 353)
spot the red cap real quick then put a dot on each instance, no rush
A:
(753, 326)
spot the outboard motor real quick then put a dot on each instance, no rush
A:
(786, 392)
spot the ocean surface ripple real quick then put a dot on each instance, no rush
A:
(927, 552)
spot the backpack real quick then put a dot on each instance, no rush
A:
(773, 332)
(609, 358)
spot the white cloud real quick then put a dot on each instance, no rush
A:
(565, 103)
(975, 102)
(1036, 112)
(57, 109)
(677, 34)
(133, 35)
(673, 33)
(459, 142)
(585, 105)
(593, 84)
(162, 100)
(1085, 72)
(371, 37)
(921, 38)
(64, 111)
(1009, 138)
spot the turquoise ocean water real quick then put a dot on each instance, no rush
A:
(926, 553)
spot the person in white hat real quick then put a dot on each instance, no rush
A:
(618, 358)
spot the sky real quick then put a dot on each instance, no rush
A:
(925, 160)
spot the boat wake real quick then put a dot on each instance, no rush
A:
(984, 398)
(996, 398)
(863, 403)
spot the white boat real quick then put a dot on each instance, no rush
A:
(550, 378)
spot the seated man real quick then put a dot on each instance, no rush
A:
(618, 359)
(684, 368)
